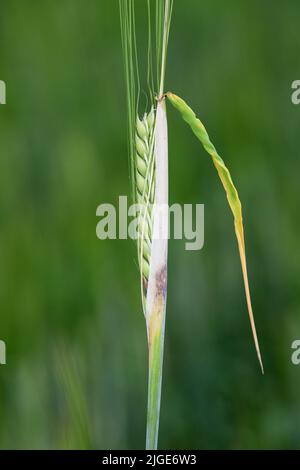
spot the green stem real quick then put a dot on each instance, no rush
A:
(164, 47)
(156, 353)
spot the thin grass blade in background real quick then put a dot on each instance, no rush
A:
(76, 431)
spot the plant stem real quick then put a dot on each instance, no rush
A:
(156, 352)
(164, 47)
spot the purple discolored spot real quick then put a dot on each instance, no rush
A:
(161, 281)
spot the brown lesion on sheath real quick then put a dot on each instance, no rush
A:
(161, 281)
(155, 319)
(161, 98)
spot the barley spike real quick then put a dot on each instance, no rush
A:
(144, 192)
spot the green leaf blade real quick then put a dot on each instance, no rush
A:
(199, 130)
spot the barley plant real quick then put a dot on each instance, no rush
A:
(148, 151)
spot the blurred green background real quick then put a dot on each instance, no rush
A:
(70, 307)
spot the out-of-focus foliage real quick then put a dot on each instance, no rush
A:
(63, 291)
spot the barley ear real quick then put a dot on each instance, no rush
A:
(144, 193)
(199, 130)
